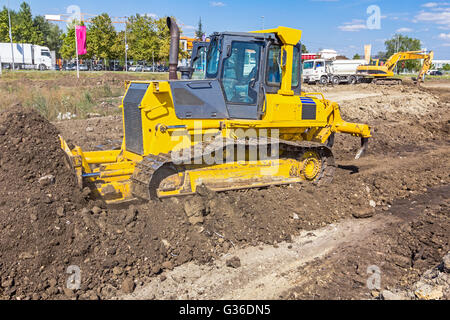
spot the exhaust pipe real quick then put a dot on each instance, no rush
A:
(174, 47)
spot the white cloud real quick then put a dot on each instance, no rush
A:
(404, 30)
(435, 4)
(430, 5)
(354, 26)
(444, 36)
(217, 4)
(151, 15)
(437, 17)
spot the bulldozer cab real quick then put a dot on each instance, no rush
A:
(248, 66)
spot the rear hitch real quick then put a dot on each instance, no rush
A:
(363, 149)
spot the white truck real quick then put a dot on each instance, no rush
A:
(331, 71)
(26, 56)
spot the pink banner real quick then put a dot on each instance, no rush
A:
(81, 40)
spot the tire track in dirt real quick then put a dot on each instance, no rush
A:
(265, 271)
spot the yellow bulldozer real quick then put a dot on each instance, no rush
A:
(247, 124)
(382, 72)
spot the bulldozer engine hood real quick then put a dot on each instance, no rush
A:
(200, 99)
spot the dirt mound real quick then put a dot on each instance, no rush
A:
(35, 184)
(47, 226)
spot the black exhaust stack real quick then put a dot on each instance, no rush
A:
(174, 47)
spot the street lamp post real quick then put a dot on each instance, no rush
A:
(126, 48)
(10, 38)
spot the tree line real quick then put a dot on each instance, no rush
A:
(28, 29)
(148, 38)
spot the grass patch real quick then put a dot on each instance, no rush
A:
(55, 75)
(55, 93)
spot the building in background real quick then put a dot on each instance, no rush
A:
(328, 54)
(439, 64)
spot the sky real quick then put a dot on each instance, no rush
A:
(343, 25)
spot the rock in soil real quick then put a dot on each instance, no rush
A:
(128, 286)
(234, 262)
(363, 213)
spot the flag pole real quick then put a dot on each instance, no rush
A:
(76, 52)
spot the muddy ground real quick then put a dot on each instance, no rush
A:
(389, 210)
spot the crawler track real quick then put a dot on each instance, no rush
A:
(154, 169)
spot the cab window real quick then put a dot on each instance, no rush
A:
(240, 72)
(200, 64)
(308, 65)
(274, 67)
(45, 53)
(213, 59)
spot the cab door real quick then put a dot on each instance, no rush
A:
(240, 77)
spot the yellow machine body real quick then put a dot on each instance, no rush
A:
(110, 173)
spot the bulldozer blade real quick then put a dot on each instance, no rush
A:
(363, 149)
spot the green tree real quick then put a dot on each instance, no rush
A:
(4, 25)
(163, 39)
(446, 67)
(68, 43)
(24, 29)
(118, 47)
(142, 38)
(401, 43)
(199, 33)
(304, 50)
(149, 38)
(356, 57)
(101, 37)
(51, 34)
(163, 34)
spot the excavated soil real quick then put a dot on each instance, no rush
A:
(401, 251)
(48, 225)
(33, 238)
